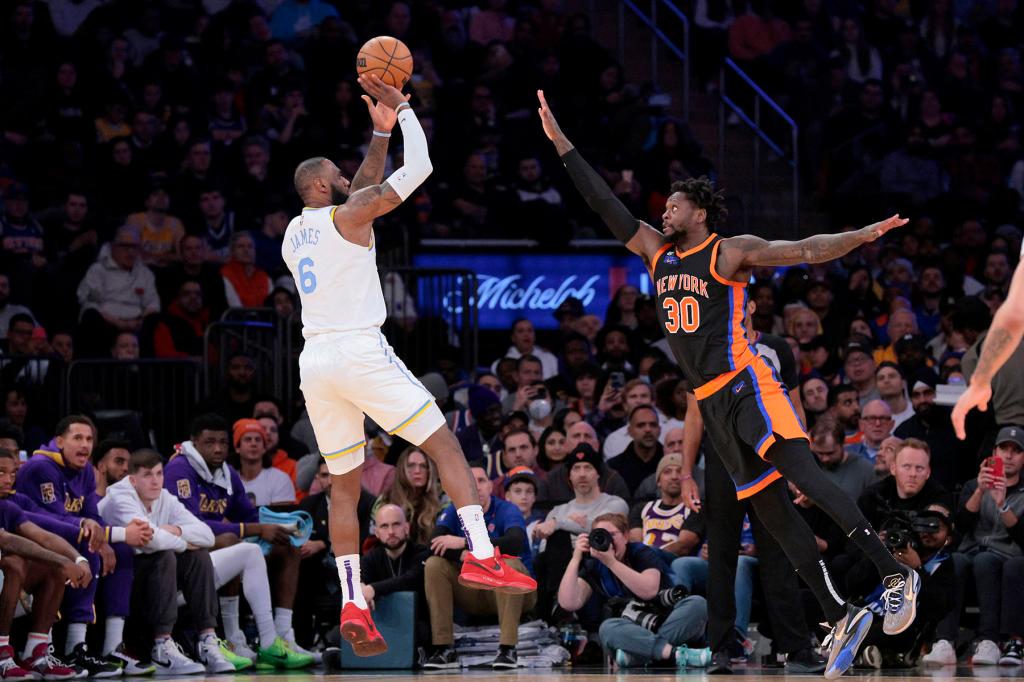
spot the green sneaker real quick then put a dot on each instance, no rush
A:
(280, 655)
(240, 662)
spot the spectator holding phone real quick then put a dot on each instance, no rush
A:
(993, 544)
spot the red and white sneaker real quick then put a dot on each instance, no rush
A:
(495, 574)
(9, 668)
(45, 666)
(358, 630)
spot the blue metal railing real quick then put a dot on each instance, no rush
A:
(651, 21)
(753, 121)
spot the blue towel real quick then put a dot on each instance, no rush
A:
(302, 520)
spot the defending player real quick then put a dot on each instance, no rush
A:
(347, 366)
(700, 280)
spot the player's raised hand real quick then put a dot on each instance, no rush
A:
(383, 116)
(976, 396)
(380, 91)
(547, 120)
(878, 229)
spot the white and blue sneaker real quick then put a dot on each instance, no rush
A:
(845, 639)
(625, 660)
(900, 598)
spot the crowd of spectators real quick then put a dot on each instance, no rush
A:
(144, 177)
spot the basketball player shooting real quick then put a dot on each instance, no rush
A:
(700, 279)
(348, 368)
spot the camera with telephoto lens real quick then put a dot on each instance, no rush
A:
(651, 614)
(903, 527)
(600, 539)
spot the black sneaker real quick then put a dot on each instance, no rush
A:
(721, 663)
(443, 658)
(94, 666)
(1013, 652)
(506, 658)
(805, 661)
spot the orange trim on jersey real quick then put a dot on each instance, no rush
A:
(657, 256)
(761, 485)
(781, 416)
(699, 247)
(739, 348)
(714, 270)
(713, 386)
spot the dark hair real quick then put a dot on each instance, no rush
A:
(20, 317)
(477, 464)
(702, 193)
(542, 456)
(144, 458)
(892, 365)
(971, 314)
(512, 327)
(208, 422)
(835, 391)
(8, 454)
(516, 432)
(106, 445)
(529, 357)
(13, 432)
(664, 396)
(64, 425)
(636, 409)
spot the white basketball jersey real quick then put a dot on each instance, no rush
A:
(337, 280)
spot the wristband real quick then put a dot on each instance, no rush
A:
(377, 133)
(403, 104)
(81, 560)
(1005, 508)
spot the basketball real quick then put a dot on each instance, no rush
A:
(386, 57)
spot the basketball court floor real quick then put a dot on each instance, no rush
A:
(596, 674)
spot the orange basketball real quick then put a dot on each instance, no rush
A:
(387, 57)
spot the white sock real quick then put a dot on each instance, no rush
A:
(34, 640)
(76, 636)
(282, 621)
(229, 614)
(350, 577)
(114, 633)
(478, 542)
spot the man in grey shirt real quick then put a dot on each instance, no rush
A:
(851, 473)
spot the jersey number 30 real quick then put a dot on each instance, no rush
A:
(682, 314)
(307, 280)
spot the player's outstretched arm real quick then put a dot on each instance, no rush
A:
(371, 170)
(376, 200)
(638, 236)
(747, 251)
(1003, 337)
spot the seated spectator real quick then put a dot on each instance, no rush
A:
(217, 226)
(613, 411)
(666, 523)
(845, 409)
(641, 457)
(7, 309)
(264, 484)
(909, 488)
(396, 565)
(21, 235)
(529, 378)
(524, 339)
(159, 231)
(521, 490)
(212, 490)
(180, 331)
(37, 562)
(117, 293)
(417, 490)
(557, 487)
(551, 448)
(519, 449)
(927, 553)
(892, 388)
(482, 437)
(175, 556)
(110, 463)
(193, 266)
(992, 545)
(59, 479)
(507, 531)
(932, 425)
(851, 473)
(886, 456)
(16, 415)
(859, 369)
(125, 346)
(245, 285)
(279, 459)
(876, 425)
(237, 398)
(631, 572)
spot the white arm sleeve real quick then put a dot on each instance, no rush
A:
(417, 166)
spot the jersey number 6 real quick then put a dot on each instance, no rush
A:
(307, 280)
(682, 314)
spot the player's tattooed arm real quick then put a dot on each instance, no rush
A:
(747, 251)
(371, 170)
(365, 205)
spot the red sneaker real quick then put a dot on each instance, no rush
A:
(45, 666)
(495, 574)
(9, 668)
(358, 629)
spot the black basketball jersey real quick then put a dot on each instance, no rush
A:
(701, 312)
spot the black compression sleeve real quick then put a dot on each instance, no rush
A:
(599, 197)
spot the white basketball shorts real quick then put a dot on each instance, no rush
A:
(347, 374)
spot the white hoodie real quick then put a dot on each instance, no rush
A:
(122, 504)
